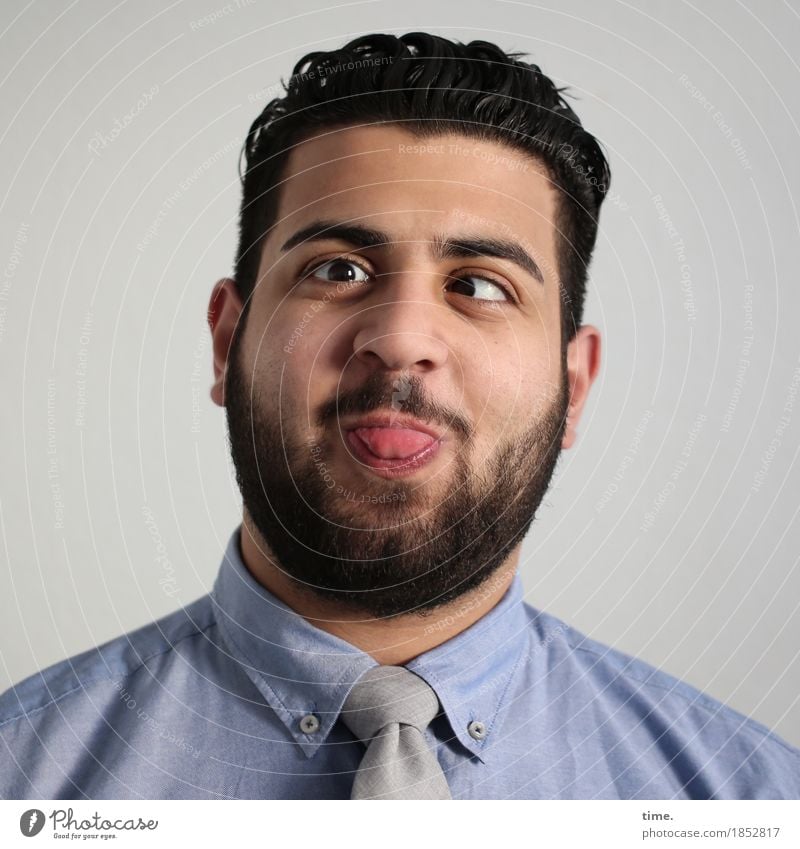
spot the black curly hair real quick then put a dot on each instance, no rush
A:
(430, 86)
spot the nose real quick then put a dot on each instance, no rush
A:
(401, 332)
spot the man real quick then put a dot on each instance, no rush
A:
(401, 358)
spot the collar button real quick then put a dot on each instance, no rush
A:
(309, 724)
(477, 730)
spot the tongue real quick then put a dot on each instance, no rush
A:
(393, 442)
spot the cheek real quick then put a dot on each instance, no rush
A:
(299, 328)
(516, 385)
(273, 361)
(279, 335)
(295, 364)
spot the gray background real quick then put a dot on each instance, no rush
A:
(670, 530)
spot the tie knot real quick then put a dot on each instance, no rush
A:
(386, 694)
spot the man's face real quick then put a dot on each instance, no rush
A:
(355, 337)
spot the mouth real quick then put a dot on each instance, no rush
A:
(393, 446)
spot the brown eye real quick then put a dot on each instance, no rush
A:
(339, 271)
(480, 288)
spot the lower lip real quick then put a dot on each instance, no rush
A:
(396, 467)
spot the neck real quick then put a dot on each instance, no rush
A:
(394, 641)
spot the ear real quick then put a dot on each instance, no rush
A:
(224, 310)
(583, 363)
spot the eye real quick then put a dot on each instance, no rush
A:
(340, 271)
(481, 288)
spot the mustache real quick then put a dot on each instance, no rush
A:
(405, 393)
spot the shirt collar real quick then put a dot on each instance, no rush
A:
(300, 669)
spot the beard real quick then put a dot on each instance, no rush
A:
(384, 547)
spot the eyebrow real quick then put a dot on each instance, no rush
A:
(443, 248)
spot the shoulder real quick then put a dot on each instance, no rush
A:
(659, 698)
(109, 662)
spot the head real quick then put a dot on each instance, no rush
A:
(400, 353)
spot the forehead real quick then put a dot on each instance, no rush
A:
(410, 186)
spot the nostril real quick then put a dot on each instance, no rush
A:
(401, 351)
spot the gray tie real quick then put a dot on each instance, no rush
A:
(389, 709)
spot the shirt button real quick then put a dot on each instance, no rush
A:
(477, 730)
(309, 724)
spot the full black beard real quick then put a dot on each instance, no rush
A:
(384, 549)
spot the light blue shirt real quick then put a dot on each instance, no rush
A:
(215, 700)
